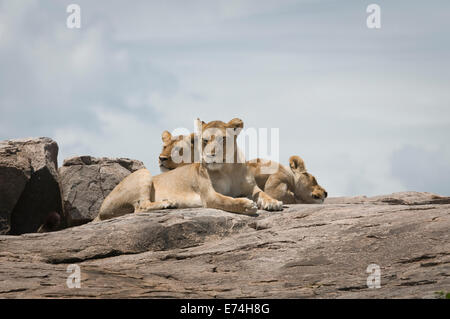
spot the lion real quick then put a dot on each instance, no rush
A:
(293, 185)
(175, 144)
(214, 182)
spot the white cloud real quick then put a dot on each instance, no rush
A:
(343, 97)
(120, 134)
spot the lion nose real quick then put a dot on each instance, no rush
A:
(162, 158)
(326, 194)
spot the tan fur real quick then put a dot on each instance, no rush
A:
(293, 185)
(290, 185)
(170, 142)
(206, 184)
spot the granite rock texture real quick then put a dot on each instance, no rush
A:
(87, 180)
(29, 188)
(304, 251)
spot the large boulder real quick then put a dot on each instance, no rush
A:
(29, 189)
(86, 181)
(304, 251)
(15, 172)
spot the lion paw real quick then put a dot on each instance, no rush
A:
(166, 203)
(249, 206)
(270, 204)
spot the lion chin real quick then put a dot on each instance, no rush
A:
(316, 201)
(163, 169)
(213, 166)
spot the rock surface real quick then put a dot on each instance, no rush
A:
(29, 188)
(305, 251)
(86, 181)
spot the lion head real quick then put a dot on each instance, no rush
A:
(176, 151)
(218, 142)
(215, 136)
(307, 190)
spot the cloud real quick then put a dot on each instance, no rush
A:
(344, 97)
(119, 134)
(55, 80)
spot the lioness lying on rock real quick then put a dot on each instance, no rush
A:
(293, 185)
(212, 183)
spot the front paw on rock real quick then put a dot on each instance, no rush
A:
(250, 206)
(169, 204)
(270, 205)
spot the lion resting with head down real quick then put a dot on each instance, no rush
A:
(212, 183)
(293, 185)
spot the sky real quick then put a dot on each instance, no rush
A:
(367, 109)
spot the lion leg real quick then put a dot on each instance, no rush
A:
(125, 197)
(212, 199)
(279, 190)
(265, 201)
(148, 205)
(235, 205)
(144, 203)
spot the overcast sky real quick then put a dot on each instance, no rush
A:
(367, 109)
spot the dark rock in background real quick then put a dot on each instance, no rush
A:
(29, 188)
(32, 190)
(15, 172)
(86, 181)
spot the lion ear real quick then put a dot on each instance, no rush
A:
(236, 123)
(297, 164)
(166, 137)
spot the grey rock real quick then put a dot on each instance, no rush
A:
(86, 181)
(305, 251)
(400, 198)
(29, 188)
